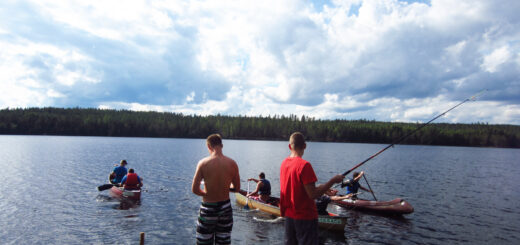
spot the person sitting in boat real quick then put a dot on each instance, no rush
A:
(131, 181)
(353, 185)
(118, 173)
(263, 189)
(323, 201)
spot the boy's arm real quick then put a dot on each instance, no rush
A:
(257, 189)
(195, 184)
(339, 198)
(235, 181)
(314, 191)
(359, 176)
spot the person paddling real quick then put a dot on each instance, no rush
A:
(263, 188)
(297, 193)
(353, 185)
(215, 220)
(131, 181)
(118, 173)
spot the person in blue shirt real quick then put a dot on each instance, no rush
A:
(263, 188)
(118, 173)
(353, 185)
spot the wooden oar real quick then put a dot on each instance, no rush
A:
(104, 187)
(371, 191)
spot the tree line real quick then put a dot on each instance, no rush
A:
(125, 123)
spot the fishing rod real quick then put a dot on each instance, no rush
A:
(472, 98)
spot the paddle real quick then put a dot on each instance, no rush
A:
(472, 98)
(104, 187)
(247, 201)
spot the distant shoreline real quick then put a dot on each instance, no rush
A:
(124, 123)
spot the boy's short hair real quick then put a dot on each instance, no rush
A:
(261, 175)
(131, 170)
(214, 140)
(297, 141)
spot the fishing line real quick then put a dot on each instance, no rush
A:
(472, 98)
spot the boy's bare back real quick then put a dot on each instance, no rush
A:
(218, 172)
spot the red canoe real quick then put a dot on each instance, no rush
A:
(120, 193)
(397, 206)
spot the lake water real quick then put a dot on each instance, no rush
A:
(48, 191)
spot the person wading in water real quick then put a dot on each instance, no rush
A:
(218, 172)
(297, 193)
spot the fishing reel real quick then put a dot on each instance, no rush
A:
(346, 183)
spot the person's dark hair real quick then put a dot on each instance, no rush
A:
(123, 162)
(261, 175)
(214, 140)
(131, 170)
(355, 174)
(297, 141)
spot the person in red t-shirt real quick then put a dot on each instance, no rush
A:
(297, 194)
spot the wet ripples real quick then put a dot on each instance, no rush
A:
(460, 195)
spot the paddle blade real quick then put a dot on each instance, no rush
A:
(104, 187)
(246, 207)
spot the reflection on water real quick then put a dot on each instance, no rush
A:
(119, 203)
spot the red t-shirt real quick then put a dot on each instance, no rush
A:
(295, 173)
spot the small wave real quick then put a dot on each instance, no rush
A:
(276, 220)
(103, 198)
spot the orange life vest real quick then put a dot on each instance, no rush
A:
(132, 181)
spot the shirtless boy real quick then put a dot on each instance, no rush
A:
(218, 172)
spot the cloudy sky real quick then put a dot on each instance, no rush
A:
(385, 60)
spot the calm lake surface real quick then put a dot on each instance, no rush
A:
(48, 191)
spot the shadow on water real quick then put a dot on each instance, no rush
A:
(327, 237)
(125, 204)
(269, 229)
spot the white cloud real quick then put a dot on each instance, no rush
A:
(495, 59)
(110, 19)
(390, 61)
(23, 63)
(54, 94)
(190, 97)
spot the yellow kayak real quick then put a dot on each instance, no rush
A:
(329, 222)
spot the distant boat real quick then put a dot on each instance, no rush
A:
(329, 222)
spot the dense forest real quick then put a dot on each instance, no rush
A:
(97, 122)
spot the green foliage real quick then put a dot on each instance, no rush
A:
(97, 122)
